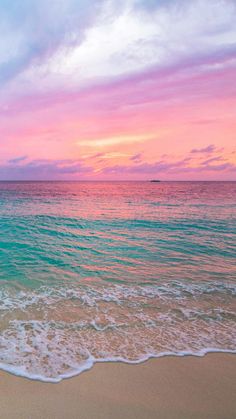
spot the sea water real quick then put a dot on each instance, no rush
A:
(114, 271)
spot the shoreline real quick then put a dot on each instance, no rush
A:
(91, 362)
(169, 387)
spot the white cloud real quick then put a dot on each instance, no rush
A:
(128, 39)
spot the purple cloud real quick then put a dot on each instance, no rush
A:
(212, 159)
(97, 156)
(43, 169)
(32, 32)
(167, 168)
(17, 159)
(136, 157)
(219, 167)
(209, 149)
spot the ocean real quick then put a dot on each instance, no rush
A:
(114, 271)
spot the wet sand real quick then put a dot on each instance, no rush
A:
(164, 388)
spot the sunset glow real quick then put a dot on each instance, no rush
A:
(118, 90)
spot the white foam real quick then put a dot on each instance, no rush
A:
(57, 333)
(21, 371)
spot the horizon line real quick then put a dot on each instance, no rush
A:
(115, 180)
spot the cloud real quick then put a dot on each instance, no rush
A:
(43, 169)
(17, 159)
(96, 156)
(115, 78)
(111, 141)
(218, 167)
(136, 157)
(77, 42)
(212, 160)
(167, 168)
(176, 83)
(33, 30)
(46, 169)
(145, 168)
(134, 40)
(152, 5)
(209, 149)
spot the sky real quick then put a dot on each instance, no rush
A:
(118, 89)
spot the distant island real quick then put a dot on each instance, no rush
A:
(154, 180)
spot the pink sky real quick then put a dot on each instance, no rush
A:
(144, 90)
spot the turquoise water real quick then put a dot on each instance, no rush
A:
(98, 271)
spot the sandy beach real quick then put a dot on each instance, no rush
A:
(164, 388)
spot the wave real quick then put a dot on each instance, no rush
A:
(20, 371)
(53, 333)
